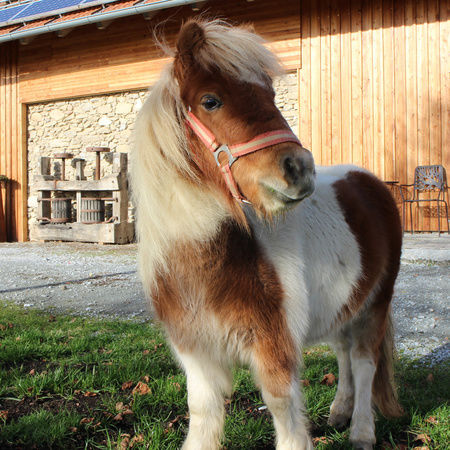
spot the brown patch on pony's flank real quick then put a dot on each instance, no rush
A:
(237, 288)
(373, 218)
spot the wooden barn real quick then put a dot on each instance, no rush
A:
(367, 82)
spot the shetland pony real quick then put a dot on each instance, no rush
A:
(249, 252)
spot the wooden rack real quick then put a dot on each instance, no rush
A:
(113, 188)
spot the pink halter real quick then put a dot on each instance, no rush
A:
(235, 151)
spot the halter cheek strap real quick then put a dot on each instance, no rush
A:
(235, 151)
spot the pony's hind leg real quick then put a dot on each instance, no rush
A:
(367, 335)
(342, 407)
(208, 382)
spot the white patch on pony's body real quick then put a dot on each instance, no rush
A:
(317, 259)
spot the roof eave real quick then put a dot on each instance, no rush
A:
(130, 11)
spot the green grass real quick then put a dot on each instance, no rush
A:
(62, 385)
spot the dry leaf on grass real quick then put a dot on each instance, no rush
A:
(432, 420)
(32, 372)
(137, 439)
(328, 379)
(125, 443)
(141, 389)
(4, 414)
(127, 385)
(86, 420)
(119, 406)
(90, 394)
(430, 378)
(322, 440)
(423, 437)
(305, 382)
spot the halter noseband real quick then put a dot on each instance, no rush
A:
(235, 151)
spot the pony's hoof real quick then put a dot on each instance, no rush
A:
(339, 420)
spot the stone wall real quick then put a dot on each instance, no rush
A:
(105, 121)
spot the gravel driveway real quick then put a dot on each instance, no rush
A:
(101, 281)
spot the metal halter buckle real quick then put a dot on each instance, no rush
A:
(226, 149)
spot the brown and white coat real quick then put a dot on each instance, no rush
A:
(313, 258)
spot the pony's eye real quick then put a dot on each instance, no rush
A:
(211, 103)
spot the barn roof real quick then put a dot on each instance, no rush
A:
(24, 19)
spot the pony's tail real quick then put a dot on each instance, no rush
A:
(384, 389)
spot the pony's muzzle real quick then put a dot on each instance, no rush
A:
(297, 167)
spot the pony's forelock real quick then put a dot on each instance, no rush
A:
(237, 52)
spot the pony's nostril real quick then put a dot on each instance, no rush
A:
(293, 169)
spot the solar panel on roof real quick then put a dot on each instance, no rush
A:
(45, 6)
(9, 13)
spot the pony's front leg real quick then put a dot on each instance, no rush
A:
(281, 392)
(208, 382)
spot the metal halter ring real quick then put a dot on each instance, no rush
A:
(226, 149)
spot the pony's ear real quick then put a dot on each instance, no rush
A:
(190, 39)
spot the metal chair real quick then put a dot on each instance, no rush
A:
(427, 179)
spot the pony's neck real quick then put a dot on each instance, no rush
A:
(178, 212)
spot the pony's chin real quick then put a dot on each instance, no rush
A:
(278, 202)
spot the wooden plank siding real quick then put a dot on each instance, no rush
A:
(377, 75)
(373, 79)
(125, 56)
(12, 161)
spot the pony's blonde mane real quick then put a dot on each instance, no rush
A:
(171, 205)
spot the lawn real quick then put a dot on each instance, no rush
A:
(71, 382)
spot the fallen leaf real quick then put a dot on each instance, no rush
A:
(328, 379)
(51, 318)
(322, 440)
(18, 338)
(146, 352)
(305, 382)
(90, 394)
(127, 412)
(32, 372)
(118, 417)
(73, 320)
(177, 386)
(127, 385)
(146, 378)
(137, 439)
(10, 325)
(432, 420)
(77, 391)
(30, 389)
(3, 414)
(119, 406)
(87, 420)
(141, 389)
(423, 437)
(430, 378)
(125, 443)
(2, 327)
(73, 429)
